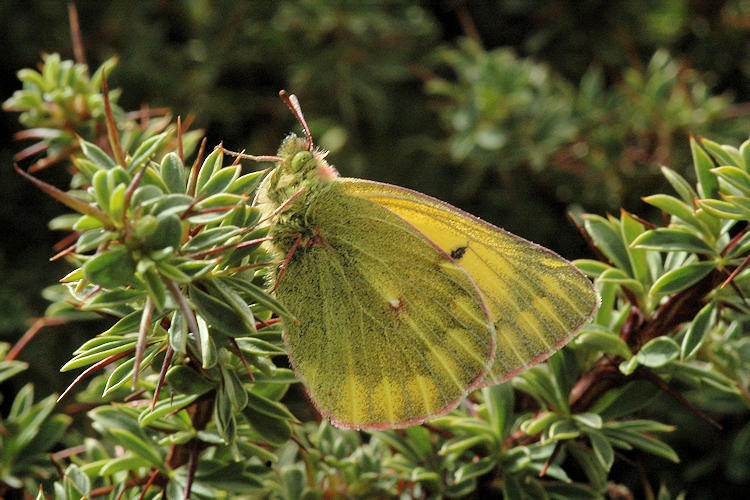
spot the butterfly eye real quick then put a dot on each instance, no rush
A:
(300, 160)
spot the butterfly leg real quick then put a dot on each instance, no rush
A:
(298, 239)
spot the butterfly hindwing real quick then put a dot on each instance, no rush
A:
(537, 299)
(389, 330)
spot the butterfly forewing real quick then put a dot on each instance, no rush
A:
(536, 298)
(390, 330)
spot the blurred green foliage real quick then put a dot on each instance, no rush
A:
(515, 111)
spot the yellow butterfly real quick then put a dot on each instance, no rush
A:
(404, 303)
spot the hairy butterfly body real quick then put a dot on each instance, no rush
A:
(402, 302)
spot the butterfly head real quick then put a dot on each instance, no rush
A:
(302, 163)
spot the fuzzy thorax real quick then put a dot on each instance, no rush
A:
(300, 176)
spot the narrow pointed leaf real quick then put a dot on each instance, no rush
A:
(681, 278)
(680, 185)
(672, 240)
(708, 185)
(698, 331)
(658, 352)
(110, 269)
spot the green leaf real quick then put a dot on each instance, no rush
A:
(209, 238)
(577, 491)
(681, 278)
(619, 277)
(63, 222)
(235, 391)
(630, 229)
(511, 488)
(115, 345)
(629, 366)
(672, 240)
(597, 339)
(658, 352)
(117, 202)
(233, 300)
(606, 236)
(173, 173)
(111, 268)
(172, 272)
(674, 207)
(93, 238)
(96, 154)
(460, 444)
(540, 423)
(499, 401)
(622, 401)
(102, 190)
(680, 185)
(219, 181)
(475, 469)
(421, 441)
(209, 353)
(708, 185)
(79, 484)
(145, 195)
(219, 314)
(123, 374)
(726, 155)
(693, 371)
(645, 443)
(592, 467)
(10, 368)
(137, 445)
(292, 482)
(258, 346)
(589, 419)
(268, 407)
(185, 380)
(602, 449)
(590, 267)
(420, 474)
(741, 247)
(178, 332)
(275, 431)
(49, 434)
(167, 232)
(169, 204)
(735, 177)
(145, 151)
(702, 324)
(724, 209)
(260, 296)
(87, 222)
(562, 430)
(245, 184)
(212, 163)
(539, 382)
(398, 443)
(156, 288)
(224, 417)
(124, 463)
(112, 299)
(165, 407)
(218, 200)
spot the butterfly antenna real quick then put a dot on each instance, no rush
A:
(293, 103)
(242, 155)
